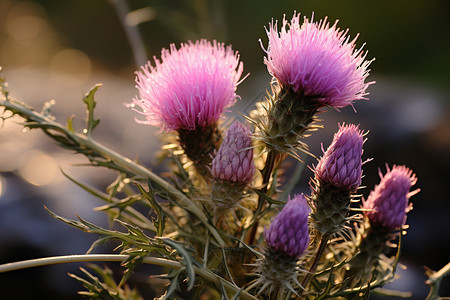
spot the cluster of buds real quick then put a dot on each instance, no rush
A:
(314, 65)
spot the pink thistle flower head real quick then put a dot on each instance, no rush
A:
(190, 87)
(387, 204)
(317, 61)
(340, 166)
(234, 160)
(288, 232)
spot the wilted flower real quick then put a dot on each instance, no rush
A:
(340, 165)
(317, 61)
(234, 160)
(387, 204)
(288, 232)
(190, 87)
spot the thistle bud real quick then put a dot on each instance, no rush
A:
(340, 166)
(385, 211)
(337, 176)
(232, 167)
(387, 204)
(287, 239)
(234, 160)
(288, 232)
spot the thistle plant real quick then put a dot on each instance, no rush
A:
(232, 235)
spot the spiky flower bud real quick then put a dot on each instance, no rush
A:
(337, 176)
(234, 160)
(287, 239)
(385, 211)
(288, 232)
(387, 204)
(187, 91)
(232, 168)
(340, 166)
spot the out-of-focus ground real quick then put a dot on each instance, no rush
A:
(60, 49)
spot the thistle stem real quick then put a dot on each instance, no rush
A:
(204, 273)
(312, 269)
(267, 172)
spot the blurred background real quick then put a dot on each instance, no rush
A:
(52, 49)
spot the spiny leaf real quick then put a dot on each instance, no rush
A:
(90, 102)
(70, 123)
(160, 221)
(135, 258)
(268, 198)
(104, 287)
(96, 288)
(434, 281)
(330, 285)
(122, 205)
(187, 260)
(173, 276)
(135, 236)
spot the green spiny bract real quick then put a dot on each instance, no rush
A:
(199, 145)
(330, 207)
(372, 243)
(288, 115)
(277, 272)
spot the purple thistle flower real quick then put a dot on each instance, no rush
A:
(317, 60)
(234, 160)
(288, 232)
(388, 202)
(190, 87)
(340, 165)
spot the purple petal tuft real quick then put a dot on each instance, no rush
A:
(317, 60)
(190, 87)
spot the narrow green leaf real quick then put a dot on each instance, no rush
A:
(160, 221)
(174, 277)
(268, 198)
(187, 260)
(90, 102)
(330, 285)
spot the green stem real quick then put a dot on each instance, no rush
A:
(267, 172)
(315, 263)
(126, 163)
(204, 273)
